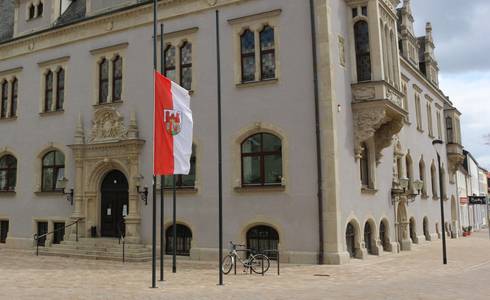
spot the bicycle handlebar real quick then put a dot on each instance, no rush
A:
(237, 245)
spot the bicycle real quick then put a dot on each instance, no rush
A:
(258, 263)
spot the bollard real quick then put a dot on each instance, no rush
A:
(262, 259)
(233, 260)
(278, 262)
(124, 252)
(76, 230)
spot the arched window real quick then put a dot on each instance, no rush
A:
(261, 160)
(60, 89)
(383, 235)
(350, 240)
(48, 91)
(433, 177)
(449, 130)
(422, 176)
(40, 9)
(5, 98)
(184, 181)
(186, 66)
(15, 93)
(247, 52)
(53, 168)
(117, 77)
(426, 229)
(368, 238)
(261, 238)
(364, 166)
(169, 63)
(184, 239)
(32, 11)
(8, 173)
(103, 80)
(363, 56)
(267, 53)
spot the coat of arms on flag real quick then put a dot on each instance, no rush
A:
(172, 120)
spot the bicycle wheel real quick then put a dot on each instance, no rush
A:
(260, 263)
(227, 264)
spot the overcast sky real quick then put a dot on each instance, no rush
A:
(461, 30)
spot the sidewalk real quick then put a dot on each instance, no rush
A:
(418, 274)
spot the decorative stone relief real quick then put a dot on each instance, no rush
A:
(393, 97)
(384, 136)
(366, 122)
(364, 93)
(108, 126)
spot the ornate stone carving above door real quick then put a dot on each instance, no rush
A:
(107, 126)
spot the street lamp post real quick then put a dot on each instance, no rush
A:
(443, 227)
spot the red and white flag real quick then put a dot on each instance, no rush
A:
(173, 128)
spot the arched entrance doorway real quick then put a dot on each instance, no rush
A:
(368, 238)
(114, 204)
(383, 235)
(350, 240)
(426, 229)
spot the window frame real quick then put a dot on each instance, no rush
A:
(186, 244)
(361, 54)
(15, 97)
(167, 67)
(4, 96)
(261, 154)
(48, 88)
(364, 166)
(263, 234)
(9, 170)
(115, 77)
(55, 168)
(103, 80)
(244, 56)
(183, 66)
(267, 51)
(60, 89)
(179, 179)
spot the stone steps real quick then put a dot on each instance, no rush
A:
(101, 249)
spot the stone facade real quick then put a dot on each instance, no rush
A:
(371, 125)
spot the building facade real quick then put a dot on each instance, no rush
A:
(328, 129)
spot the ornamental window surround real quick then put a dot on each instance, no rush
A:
(109, 74)
(422, 176)
(429, 120)
(256, 39)
(53, 96)
(418, 111)
(53, 169)
(9, 96)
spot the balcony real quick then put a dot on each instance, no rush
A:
(377, 113)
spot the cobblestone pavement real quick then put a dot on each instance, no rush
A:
(418, 274)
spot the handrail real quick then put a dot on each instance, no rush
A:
(122, 237)
(37, 237)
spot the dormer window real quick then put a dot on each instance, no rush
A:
(35, 10)
(32, 11)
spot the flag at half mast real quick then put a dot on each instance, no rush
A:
(173, 128)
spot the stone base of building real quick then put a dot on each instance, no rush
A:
(19, 243)
(337, 258)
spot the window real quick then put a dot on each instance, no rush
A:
(409, 166)
(184, 181)
(439, 127)
(42, 229)
(103, 81)
(383, 235)
(261, 160)
(59, 232)
(5, 98)
(53, 168)
(364, 166)
(15, 92)
(48, 91)
(261, 238)
(449, 130)
(32, 11)
(169, 63)
(186, 65)
(267, 53)
(422, 176)
(184, 239)
(117, 78)
(429, 120)
(40, 9)
(4, 230)
(247, 46)
(363, 56)
(60, 89)
(433, 175)
(8, 173)
(418, 111)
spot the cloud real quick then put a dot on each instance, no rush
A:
(460, 31)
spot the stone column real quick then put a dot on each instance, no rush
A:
(78, 202)
(133, 219)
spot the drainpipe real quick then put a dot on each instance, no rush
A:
(318, 137)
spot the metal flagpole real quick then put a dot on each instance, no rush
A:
(220, 162)
(154, 213)
(162, 179)
(174, 227)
